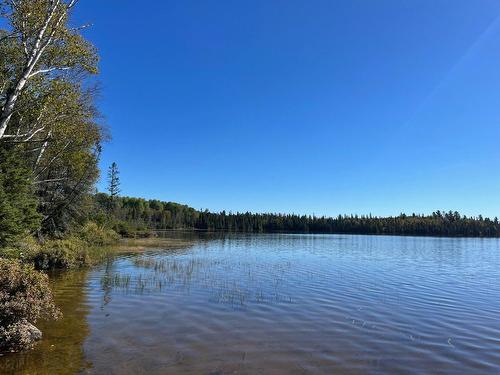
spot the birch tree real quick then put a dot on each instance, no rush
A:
(38, 45)
(47, 105)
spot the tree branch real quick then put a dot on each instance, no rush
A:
(48, 70)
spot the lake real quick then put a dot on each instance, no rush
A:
(279, 304)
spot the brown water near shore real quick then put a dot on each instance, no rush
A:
(279, 304)
(61, 350)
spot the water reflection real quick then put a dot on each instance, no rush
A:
(290, 304)
(61, 350)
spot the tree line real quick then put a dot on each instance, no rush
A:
(140, 214)
(50, 143)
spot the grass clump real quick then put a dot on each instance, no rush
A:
(25, 297)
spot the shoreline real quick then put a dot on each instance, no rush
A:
(195, 230)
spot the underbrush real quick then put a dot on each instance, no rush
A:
(88, 245)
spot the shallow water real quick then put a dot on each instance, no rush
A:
(280, 304)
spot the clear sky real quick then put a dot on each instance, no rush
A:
(324, 107)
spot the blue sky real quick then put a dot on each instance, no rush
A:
(323, 107)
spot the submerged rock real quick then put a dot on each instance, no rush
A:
(34, 333)
(18, 336)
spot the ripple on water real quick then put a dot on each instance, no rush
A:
(289, 304)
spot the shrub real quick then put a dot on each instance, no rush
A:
(67, 253)
(95, 235)
(25, 297)
(24, 250)
(84, 247)
(128, 230)
(124, 229)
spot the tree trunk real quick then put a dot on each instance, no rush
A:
(34, 57)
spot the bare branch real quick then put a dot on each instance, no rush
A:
(29, 135)
(72, 3)
(51, 180)
(43, 71)
(9, 36)
(86, 26)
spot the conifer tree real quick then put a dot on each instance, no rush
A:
(113, 181)
(18, 206)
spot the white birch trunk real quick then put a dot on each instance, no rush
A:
(34, 57)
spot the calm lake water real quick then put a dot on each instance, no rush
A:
(280, 304)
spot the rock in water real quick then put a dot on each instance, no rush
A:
(18, 336)
(34, 333)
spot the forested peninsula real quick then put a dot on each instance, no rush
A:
(51, 138)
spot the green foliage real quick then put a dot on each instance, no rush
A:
(84, 247)
(135, 214)
(18, 205)
(95, 235)
(65, 48)
(68, 170)
(25, 297)
(124, 229)
(61, 254)
(131, 215)
(113, 181)
(437, 224)
(50, 143)
(24, 249)
(45, 67)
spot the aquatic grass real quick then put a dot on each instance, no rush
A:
(161, 274)
(151, 263)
